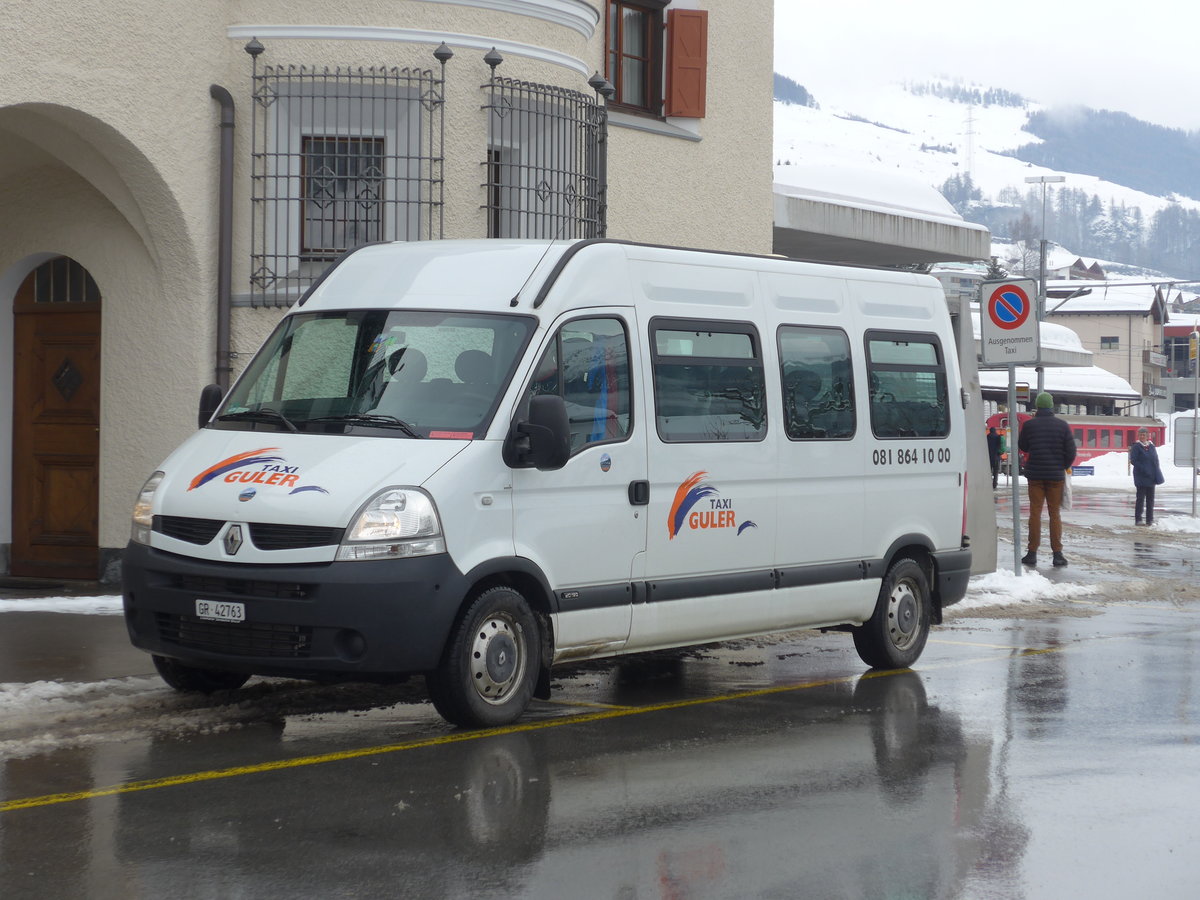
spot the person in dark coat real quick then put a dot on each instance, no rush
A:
(1147, 473)
(1050, 446)
(993, 442)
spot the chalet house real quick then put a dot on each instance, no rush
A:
(1121, 324)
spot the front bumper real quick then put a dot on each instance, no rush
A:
(340, 619)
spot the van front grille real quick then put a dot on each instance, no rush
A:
(265, 535)
(236, 639)
(268, 536)
(183, 528)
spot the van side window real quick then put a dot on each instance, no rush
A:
(907, 376)
(587, 364)
(708, 381)
(818, 386)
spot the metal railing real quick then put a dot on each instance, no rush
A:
(341, 157)
(545, 171)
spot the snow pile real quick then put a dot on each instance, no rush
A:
(47, 715)
(40, 716)
(1003, 588)
(108, 605)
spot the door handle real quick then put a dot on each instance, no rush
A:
(639, 493)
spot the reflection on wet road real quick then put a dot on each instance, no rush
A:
(1045, 752)
(1044, 758)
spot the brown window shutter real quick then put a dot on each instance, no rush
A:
(687, 62)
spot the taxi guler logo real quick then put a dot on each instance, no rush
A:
(255, 467)
(700, 506)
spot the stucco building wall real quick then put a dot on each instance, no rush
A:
(109, 154)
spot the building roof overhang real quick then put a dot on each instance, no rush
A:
(827, 225)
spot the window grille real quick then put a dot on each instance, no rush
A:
(341, 158)
(545, 166)
(62, 280)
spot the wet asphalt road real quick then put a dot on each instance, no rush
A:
(1049, 750)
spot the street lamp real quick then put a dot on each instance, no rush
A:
(1043, 180)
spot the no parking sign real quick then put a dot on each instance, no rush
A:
(1008, 323)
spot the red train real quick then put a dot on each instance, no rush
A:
(1096, 435)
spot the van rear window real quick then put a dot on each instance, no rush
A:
(906, 375)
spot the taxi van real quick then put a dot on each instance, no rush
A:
(473, 460)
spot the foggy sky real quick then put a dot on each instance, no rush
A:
(1142, 58)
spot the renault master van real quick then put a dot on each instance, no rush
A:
(473, 460)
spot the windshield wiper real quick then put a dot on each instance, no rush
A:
(373, 419)
(264, 414)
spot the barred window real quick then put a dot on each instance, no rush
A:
(342, 157)
(342, 190)
(545, 168)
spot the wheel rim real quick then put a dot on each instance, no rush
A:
(904, 614)
(497, 657)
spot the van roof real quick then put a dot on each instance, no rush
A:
(504, 275)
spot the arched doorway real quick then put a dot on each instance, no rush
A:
(56, 423)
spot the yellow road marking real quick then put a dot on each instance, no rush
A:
(517, 728)
(458, 737)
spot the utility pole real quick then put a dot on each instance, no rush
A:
(1043, 180)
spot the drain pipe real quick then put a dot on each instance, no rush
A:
(224, 237)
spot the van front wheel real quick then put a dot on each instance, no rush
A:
(490, 667)
(896, 633)
(194, 680)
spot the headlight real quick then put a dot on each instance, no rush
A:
(395, 523)
(143, 518)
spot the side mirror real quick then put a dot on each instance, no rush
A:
(210, 399)
(543, 441)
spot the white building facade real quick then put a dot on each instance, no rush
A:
(174, 174)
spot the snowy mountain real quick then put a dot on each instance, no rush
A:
(933, 133)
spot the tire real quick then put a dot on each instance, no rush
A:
(895, 635)
(193, 680)
(491, 663)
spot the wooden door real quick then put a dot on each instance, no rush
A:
(56, 425)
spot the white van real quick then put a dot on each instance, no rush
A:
(476, 459)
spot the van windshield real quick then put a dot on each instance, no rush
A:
(396, 373)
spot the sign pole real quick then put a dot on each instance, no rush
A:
(1010, 336)
(1014, 467)
(1194, 357)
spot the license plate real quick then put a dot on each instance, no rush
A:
(220, 611)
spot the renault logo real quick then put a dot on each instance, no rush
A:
(233, 539)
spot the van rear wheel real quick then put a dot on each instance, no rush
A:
(194, 680)
(896, 633)
(490, 667)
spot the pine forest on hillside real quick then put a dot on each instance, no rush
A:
(1090, 226)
